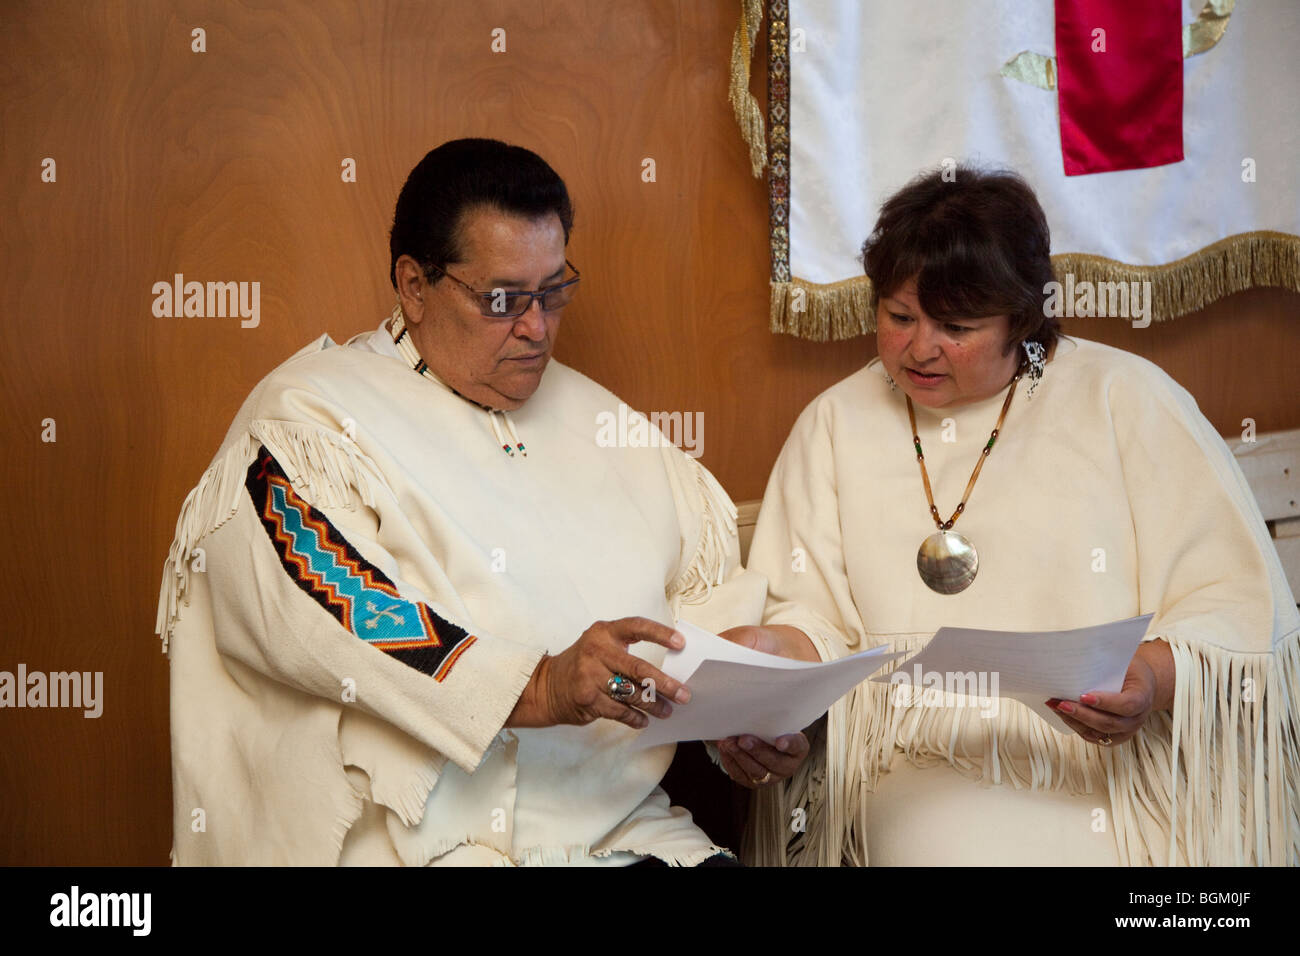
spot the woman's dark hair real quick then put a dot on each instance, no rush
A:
(978, 245)
(460, 175)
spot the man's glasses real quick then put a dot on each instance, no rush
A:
(509, 304)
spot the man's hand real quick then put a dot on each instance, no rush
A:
(752, 762)
(573, 687)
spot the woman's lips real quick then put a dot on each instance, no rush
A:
(920, 378)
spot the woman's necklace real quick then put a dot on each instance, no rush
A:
(946, 560)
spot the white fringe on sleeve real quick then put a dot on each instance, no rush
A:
(325, 467)
(717, 536)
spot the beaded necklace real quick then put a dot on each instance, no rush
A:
(406, 348)
(947, 561)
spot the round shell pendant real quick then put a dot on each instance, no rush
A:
(947, 562)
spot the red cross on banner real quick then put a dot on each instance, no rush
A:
(1120, 80)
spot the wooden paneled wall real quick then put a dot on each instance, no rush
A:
(225, 165)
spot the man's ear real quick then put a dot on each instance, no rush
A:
(411, 288)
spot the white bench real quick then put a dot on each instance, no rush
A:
(1271, 465)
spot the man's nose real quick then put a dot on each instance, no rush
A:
(532, 324)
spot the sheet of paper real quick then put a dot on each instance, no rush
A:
(735, 690)
(1028, 666)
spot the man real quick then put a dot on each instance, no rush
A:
(430, 609)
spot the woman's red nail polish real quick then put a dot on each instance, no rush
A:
(1065, 707)
(1088, 699)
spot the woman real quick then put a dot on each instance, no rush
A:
(1101, 493)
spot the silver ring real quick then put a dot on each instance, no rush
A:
(1104, 741)
(758, 783)
(620, 688)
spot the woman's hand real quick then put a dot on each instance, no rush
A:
(781, 640)
(752, 762)
(573, 687)
(1108, 719)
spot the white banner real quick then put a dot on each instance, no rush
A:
(880, 90)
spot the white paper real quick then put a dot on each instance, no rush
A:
(736, 690)
(1028, 666)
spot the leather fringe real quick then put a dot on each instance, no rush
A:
(1216, 782)
(324, 467)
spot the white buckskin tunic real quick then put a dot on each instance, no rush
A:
(361, 585)
(1107, 495)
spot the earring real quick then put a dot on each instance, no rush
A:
(1036, 355)
(893, 386)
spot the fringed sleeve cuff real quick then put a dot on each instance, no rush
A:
(1221, 772)
(826, 638)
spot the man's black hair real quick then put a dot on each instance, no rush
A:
(465, 174)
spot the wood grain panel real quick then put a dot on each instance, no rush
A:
(225, 165)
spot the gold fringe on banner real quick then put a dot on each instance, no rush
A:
(806, 310)
(748, 114)
(1240, 262)
(843, 310)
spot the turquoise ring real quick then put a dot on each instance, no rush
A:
(620, 687)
